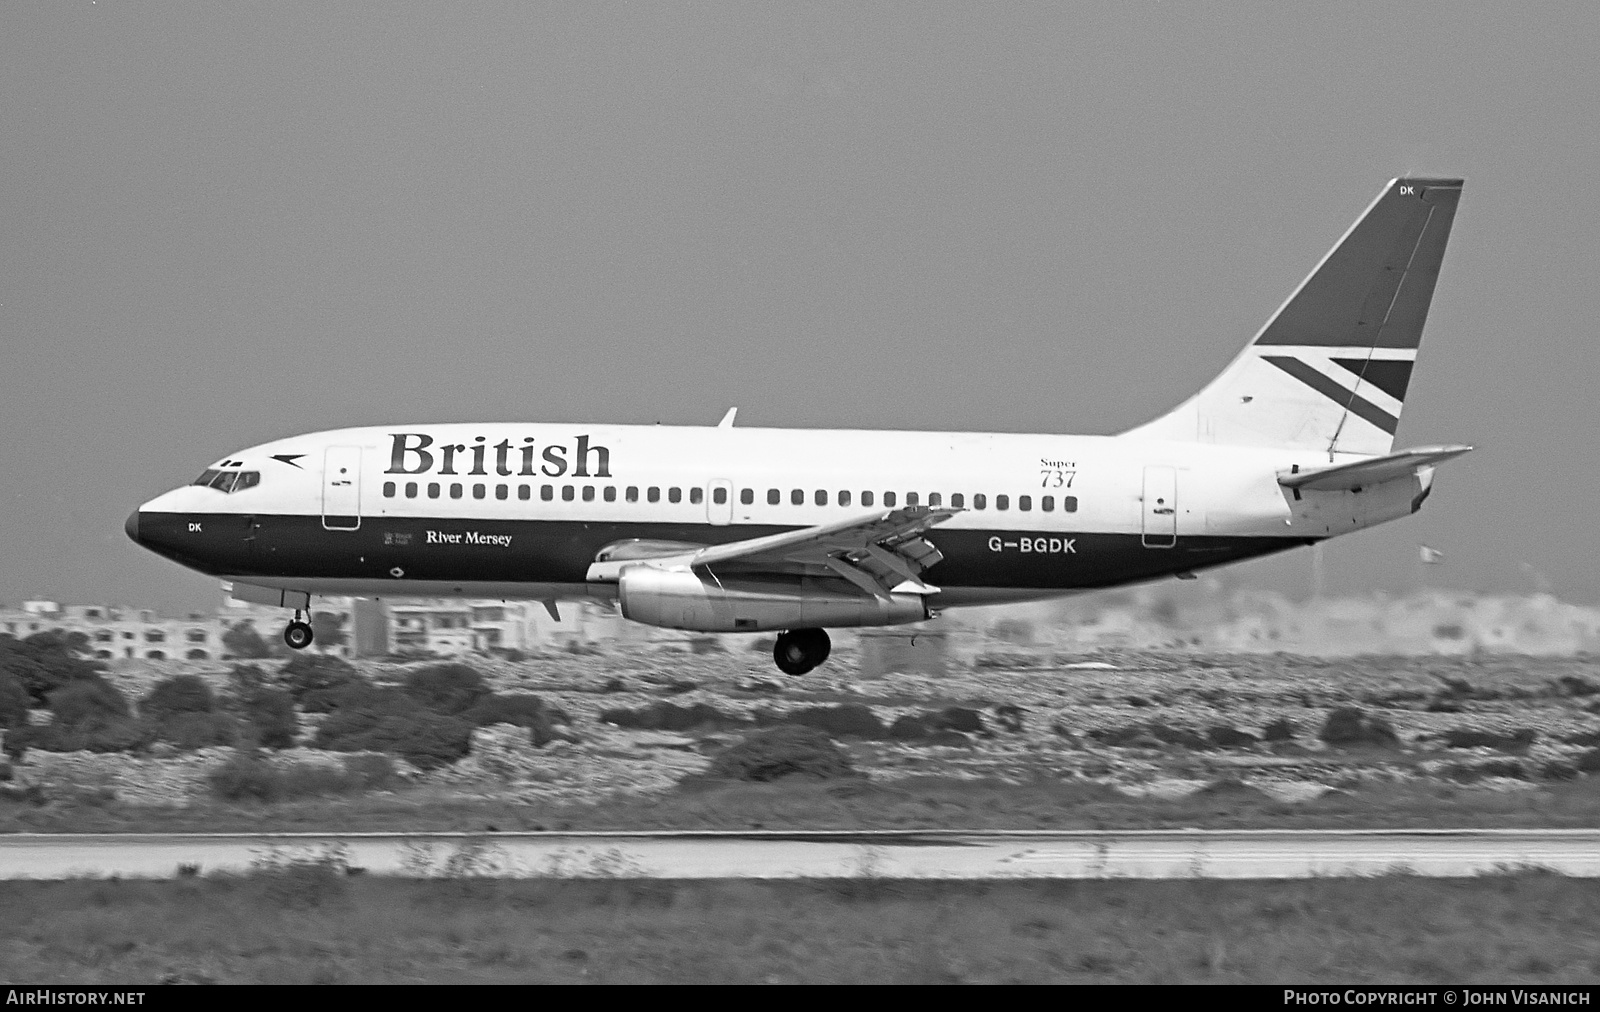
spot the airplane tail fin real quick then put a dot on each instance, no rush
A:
(1329, 370)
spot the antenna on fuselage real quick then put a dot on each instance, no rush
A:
(727, 419)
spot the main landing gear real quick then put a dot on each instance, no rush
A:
(799, 650)
(297, 633)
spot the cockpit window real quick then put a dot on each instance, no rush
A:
(228, 481)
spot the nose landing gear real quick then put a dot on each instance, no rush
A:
(297, 633)
(799, 650)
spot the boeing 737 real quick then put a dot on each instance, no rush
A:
(731, 529)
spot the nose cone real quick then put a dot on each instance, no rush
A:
(132, 526)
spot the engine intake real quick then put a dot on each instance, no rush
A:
(682, 599)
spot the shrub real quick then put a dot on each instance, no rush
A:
(1282, 729)
(524, 710)
(388, 720)
(112, 734)
(446, 688)
(271, 718)
(86, 701)
(189, 731)
(957, 718)
(14, 701)
(242, 640)
(47, 661)
(782, 752)
(1516, 741)
(845, 720)
(316, 680)
(1181, 736)
(909, 728)
(521, 708)
(669, 717)
(250, 777)
(179, 694)
(1223, 736)
(375, 772)
(1350, 726)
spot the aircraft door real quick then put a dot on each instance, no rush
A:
(1160, 507)
(719, 502)
(341, 488)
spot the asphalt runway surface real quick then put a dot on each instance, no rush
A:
(943, 854)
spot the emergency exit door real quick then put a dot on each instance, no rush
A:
(1160, 505)
(341, 488)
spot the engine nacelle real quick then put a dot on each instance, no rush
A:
(681, 599)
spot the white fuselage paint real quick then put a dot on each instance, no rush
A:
(1220, 491)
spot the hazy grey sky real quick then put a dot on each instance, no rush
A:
(225, 223)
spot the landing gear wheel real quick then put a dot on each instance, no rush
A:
(297, 634)
(799, 650)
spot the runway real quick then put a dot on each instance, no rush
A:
(945, 854)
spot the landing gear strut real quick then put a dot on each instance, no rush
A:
(297, 633)
(799, 650)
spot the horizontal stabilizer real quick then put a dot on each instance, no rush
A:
(1343, 477)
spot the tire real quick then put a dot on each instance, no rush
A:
(799, 650)
(297, 635)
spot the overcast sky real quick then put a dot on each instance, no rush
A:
(221, 224)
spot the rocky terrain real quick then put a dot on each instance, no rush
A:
(639, 720)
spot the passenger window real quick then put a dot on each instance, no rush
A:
(911, 498)
(866, 498)
(774, 497)
(1002, 502)
(1069, 504)
(798, 496)
(674, 494)
(747, 496)
(388, 490)
(888, 498)
(411, 490)
(547, 492)
(611, 493)
(1047, 503)
(524, 492)
(820, 497)
(719, 496)
(501, 491)
(1024, 503)
(844, 497)
(477, 491)
(567, 493)
(979, 501)
(632, 494)
(433, 490)
(957, 500)
(934, 499)
(588, 493)
(653, 493)
(697, 495)
(455, 490)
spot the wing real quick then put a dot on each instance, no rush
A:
(1369, 472)
(876, 552)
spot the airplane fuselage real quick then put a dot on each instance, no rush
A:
(522, 510)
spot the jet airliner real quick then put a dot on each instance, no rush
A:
(737, 529)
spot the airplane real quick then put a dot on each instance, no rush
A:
(731, 529)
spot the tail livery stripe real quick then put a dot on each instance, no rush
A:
(1392, 376)
(1358, 406)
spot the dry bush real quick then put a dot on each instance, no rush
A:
(788, 751)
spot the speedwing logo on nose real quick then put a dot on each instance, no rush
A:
(289, 458)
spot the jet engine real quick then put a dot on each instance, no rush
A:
(704, 602)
